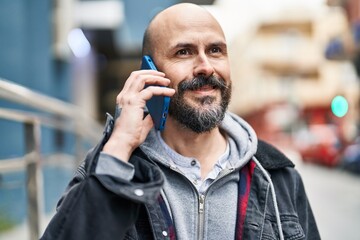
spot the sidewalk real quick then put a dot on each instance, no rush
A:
(334, 196)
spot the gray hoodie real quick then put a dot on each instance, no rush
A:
(212, 214)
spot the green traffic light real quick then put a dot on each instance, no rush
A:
(339, 106)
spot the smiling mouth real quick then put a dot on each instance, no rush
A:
(206, 88)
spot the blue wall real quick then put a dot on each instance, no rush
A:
(26, 58)
(25, 42)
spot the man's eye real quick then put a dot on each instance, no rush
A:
(182, 52)
(215, 50)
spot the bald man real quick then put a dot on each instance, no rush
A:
(205, 176)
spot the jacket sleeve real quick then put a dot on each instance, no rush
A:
(98, 205)
(106, 165)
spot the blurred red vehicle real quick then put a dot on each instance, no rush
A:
(319, 143)
(314, 132)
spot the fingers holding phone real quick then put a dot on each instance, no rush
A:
(131, 128)
(138, 80)
(142, 86)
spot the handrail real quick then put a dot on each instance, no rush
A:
(50, 112)
(24, 96)
(19, 94)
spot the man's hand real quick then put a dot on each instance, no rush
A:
(131, 128)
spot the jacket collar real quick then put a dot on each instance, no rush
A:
(271, 158)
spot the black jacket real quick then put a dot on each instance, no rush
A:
(105, 207)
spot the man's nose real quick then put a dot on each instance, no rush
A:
(203, 66)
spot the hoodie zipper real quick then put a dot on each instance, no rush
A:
(201, 198)
(201, 217)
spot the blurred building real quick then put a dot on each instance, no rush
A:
(352, 10)
(289, 71)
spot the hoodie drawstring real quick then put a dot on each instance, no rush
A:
(267, 176)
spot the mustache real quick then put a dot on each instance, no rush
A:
(201, 81)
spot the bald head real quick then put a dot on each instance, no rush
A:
(179, 17)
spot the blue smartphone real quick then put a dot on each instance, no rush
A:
(157, 106)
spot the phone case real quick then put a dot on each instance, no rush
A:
(157, 106)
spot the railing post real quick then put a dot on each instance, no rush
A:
(34, 178)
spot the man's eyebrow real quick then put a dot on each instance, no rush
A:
(190, 45)
(183, 45)
(218, 44)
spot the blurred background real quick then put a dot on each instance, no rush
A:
(295, 71)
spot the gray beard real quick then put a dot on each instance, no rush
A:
(200, 119)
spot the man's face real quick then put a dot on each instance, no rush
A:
(191, 50)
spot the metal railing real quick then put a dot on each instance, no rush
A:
(49, 112)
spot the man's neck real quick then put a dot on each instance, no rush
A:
(206, 147)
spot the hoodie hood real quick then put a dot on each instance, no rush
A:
(241, 136)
